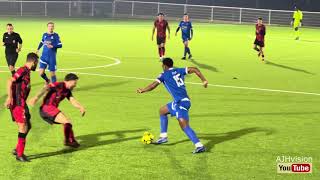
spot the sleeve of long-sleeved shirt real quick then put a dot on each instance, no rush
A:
(57, 43)
(19, 39)
(41, 42)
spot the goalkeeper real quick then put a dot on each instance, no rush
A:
(297, 22)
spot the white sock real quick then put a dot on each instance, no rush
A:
(163, 135)
(198, 144)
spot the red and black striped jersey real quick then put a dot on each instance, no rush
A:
(161, 27)
(57, 93)
(260, 32)
(21, 86)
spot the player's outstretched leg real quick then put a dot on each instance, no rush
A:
(69, 139)
(163, 125)
(184, 124)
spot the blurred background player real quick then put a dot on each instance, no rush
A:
(13, 43)
(297, 21)
(18, 89)
(50, 42)
(259, 41)
(162, 26)
(187, 35)
(55, 93)
(173, 79)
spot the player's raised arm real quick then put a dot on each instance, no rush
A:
(77, 105)
(195, 70)
(150, 87)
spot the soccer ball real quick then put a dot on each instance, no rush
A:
(147, 138)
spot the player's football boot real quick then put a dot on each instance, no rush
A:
(199, 150)
(22, 158)
(73, 144)
(183, 58)
(190, 56)
(162, 140)
(14, 152)
(297, 38)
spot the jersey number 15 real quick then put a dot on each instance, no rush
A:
(178, 80)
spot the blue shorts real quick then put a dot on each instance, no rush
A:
(48, 61)
(184, 39)
(179, 109)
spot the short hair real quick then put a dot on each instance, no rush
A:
(50, 22)
(160, 14)
(168, 62)
(185, 14)
(259, 18)
(32, 57)
(9, 24)
(71, 77)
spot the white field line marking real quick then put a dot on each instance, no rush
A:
(193, 83)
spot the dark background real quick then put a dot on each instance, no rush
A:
(305, 5)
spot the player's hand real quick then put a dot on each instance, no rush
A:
(205, 84)
(8, 102)
(169, 37)
(83, 111)
(37, 51)
(32, 101)
(140, 91)
(18, 50)
(176, 34)
(50, 46)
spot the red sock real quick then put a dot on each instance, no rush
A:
(21, 144)
(68, 133)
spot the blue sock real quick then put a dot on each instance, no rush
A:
(185, 52)
(53, 79)
(188, 51)
(164, 123)
(45, 77)
(191, 134)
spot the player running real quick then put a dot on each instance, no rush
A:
(13, 43)
(187, 35)
(18, 89)
(55, 93)
(50, 42)
(297, 22)
(259, 41)
(173, 80)
(161, 25)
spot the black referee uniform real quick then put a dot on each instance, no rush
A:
(11, 43)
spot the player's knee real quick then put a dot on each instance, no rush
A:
(183, 123)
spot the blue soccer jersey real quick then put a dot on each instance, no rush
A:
(173, 80)
(185, 29)
(48, 57)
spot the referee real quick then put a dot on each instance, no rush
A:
(13, 43)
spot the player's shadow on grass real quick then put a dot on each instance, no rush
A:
(213, 139)
(289, 68)
(92, 140)
(253, 114)
(204, 66)
(100, 85)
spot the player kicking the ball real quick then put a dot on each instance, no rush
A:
(55, 93)
(18, 92)
(162, 26)
(259, 41)
(173, 79)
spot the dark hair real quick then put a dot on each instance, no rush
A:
(71, 77)
(160, 14)
(168, 62)
(32, 57)
(50, 23)
(259, 18)
(9, 24)
(185, 14)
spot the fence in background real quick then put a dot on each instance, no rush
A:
(147, 10)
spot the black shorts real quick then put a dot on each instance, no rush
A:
(259, 43)
(161, 40)
(11, 58)
(47, 117)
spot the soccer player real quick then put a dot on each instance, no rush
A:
(18, 89)
(50, 42)
(297, 21)
(173, 80)
(259, 41)
(13, 43)
(162, 26)
(187, 35)
(55, 93)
